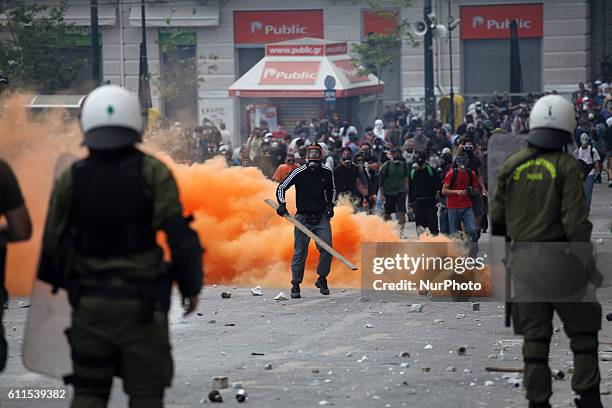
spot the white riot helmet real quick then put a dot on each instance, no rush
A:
(111, 118)
(552, 122)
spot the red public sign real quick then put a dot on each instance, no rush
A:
(289, 73)
(256, 27)
(481, 22)
(380, 22)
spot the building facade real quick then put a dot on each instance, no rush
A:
(559, 45)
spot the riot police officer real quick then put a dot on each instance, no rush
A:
(100, 243)
(539, 198)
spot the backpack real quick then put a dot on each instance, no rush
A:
(456, 173)
(429, 170)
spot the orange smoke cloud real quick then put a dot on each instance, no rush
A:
(247, 243)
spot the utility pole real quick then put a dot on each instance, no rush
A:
(450, 59)
(430, 98)
(144, 90)
(95, 44)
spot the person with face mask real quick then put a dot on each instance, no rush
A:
(424, 185)
(459, 186)
(315, 193)
(379, 131)
(394, 185)
(346, 177)
(589, 161)
(467, 146)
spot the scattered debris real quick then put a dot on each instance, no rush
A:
(237, 385)
(558, 375)
(200, 314)
(220, 383)
(476, 307)
(315, 371)
(416, 308)
(215, 396)
(256, 291)
(349, 354)
(368, 326)
(451, 369)
(364, 299)
(461, 351)
(280, 296)
(438, 320)
(428, 347)
(213, 321)
(460, 316)
(404, 365)
(230, 324)
(268, 366)
(426, 369)
(257, 354)
(323, 403)
(599, 241)
(467, 370)
(226, 295)
(405, 354)
(241, 395)
(362, 359)
(489, 383)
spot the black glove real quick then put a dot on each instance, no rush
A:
(597, 179)
(329, 212)
(282, 210)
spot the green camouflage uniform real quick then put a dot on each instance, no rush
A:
(108, 337)
(540, 198)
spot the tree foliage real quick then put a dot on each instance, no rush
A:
(380, 50)
(178, 75)
(31, 47)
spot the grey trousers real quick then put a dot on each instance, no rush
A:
(300, 249)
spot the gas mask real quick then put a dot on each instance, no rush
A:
(462, 162)
(346, 159)
(420, 160)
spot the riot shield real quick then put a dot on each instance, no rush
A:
(45, 346)
(501, 145)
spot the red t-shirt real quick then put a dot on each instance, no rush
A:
(461, 183)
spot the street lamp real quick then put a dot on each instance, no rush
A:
(452, 24)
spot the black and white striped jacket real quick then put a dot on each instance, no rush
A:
(314, 189)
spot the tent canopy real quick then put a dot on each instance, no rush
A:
(298, 69)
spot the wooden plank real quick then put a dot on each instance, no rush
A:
(312, 236)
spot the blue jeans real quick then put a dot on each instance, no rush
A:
(588, 189)
(300, 249)
(456, 216)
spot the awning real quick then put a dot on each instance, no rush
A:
(79, 15)
(298, 68)
(160, 15)
(56, 101)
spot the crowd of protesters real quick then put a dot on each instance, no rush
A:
(416, 168)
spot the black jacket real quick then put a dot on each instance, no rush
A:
(423, 183)
(314, 189)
